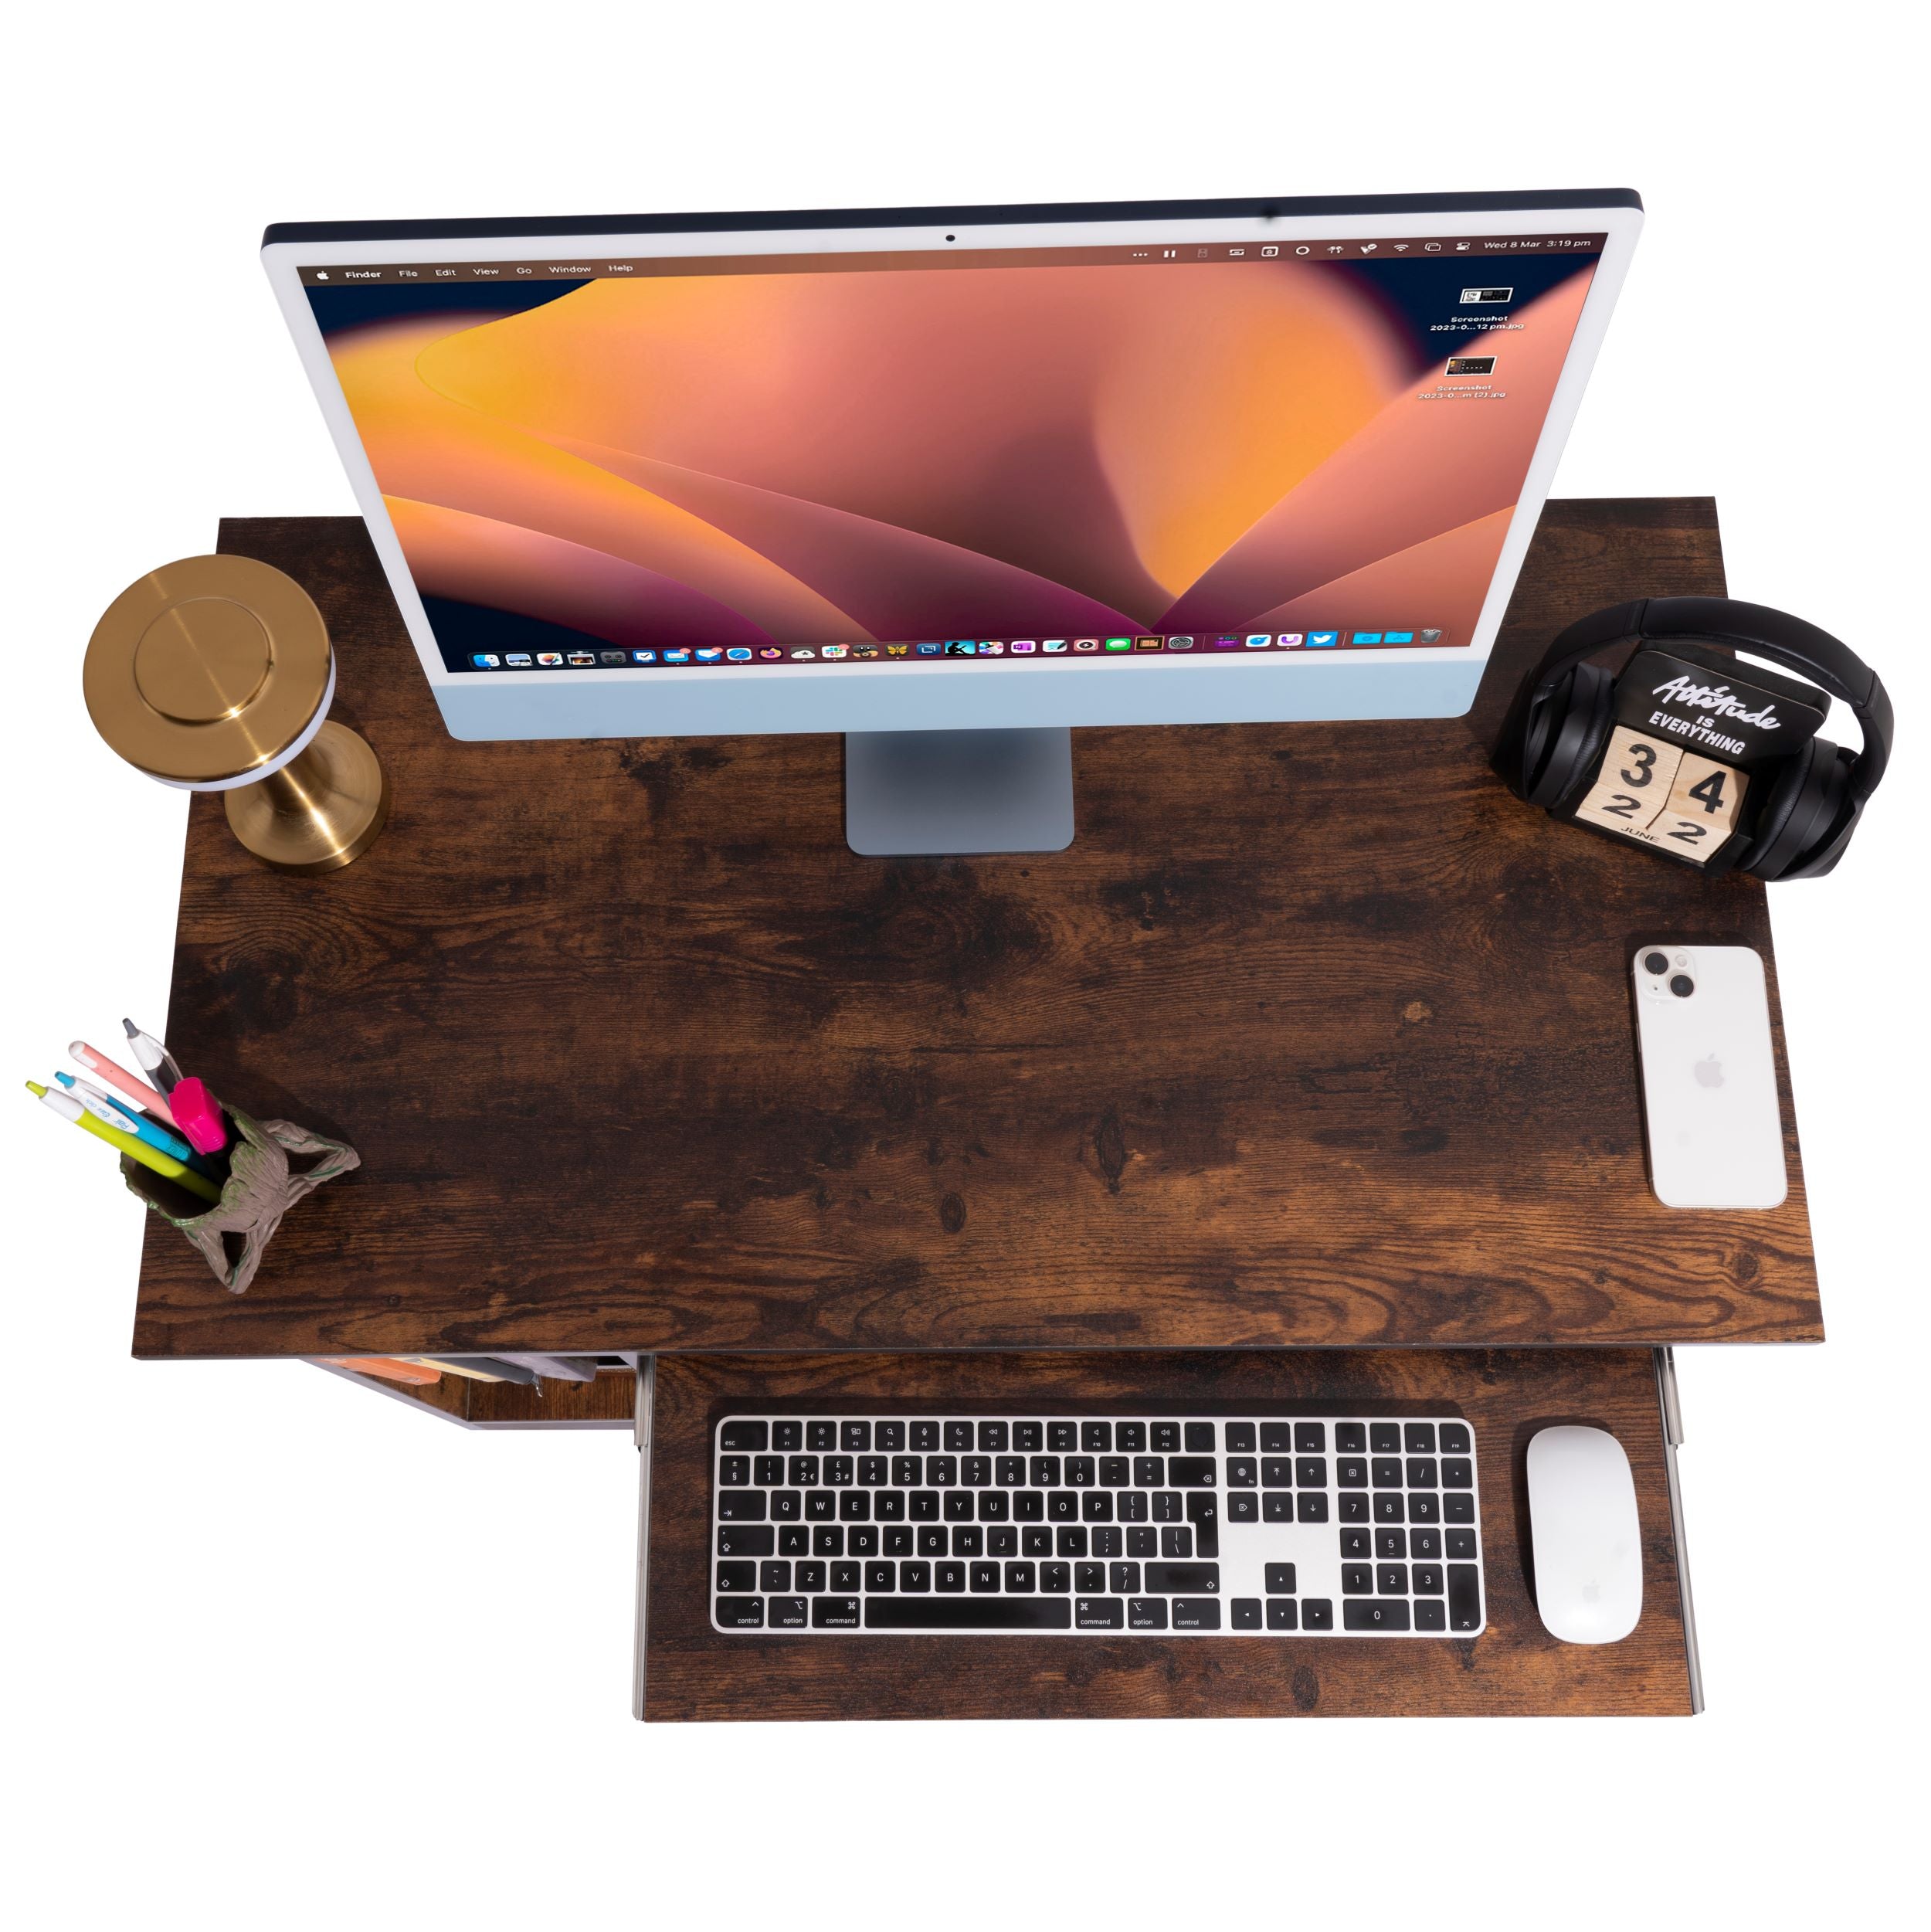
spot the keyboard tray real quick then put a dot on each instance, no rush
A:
(694, 1670)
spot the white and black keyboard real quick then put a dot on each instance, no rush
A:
(1189, 1526)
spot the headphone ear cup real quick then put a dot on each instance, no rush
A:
(1821, 844)
(1796, 814)
(1565, 734)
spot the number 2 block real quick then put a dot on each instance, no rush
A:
(1633, 783)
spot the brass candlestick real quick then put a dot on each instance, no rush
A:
(215, 674)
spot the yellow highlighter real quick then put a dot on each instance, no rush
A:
(178, 1172)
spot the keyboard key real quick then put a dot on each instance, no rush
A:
(1245, 1613)
(774, 1577)
(1391, 1579)
(1106, 1540)
(1096, 1506)
(1419, 1438)
(1176, 1544)
(1387, 1472)
(821, 1436)
(1354, 1543)
(1243, 1506)
(1037, 1542)
(1203, 1512)
(1424, 1509)
(745, 1539)
(1354, 1505)
(1277, 1438)
(1058, 1577)
(768, 1472)
(956, 1505)
(1044, 1472)
(1357, 1579)
(835, 1613)
(1310, 1471)
(934, 1542)
(1391, 1543)
(1147, 1471)
(1464, 1596)
(1384, 1439)
(1427, 1542)
(1113, 1472)
(974, 1471)
(968, 1540)
(741, 1506)
(734, 1471)
(1176, 1579)
(994, 1506)
(1461, 1543)
(1197, 1613)
(809, 1577)
(1165, 1437)
(1381, 1613)
(845, 1576)
(861, 1539)
(1277, 1472)
(1130, 1438)
(1388, 1507)
(967, 1613)
(855, 1437)
(801, 1472)
(871, 1471)
(942, 1471)
(1062, 1505)
(1123, 1579)
(924, 1437)
(1146, 1613)
(1282, 1614)
(889, 1438)
(992, 1439)
(1029, 1506)
(948, 1576)
(1199, 1437)
(1351, 1471)
(828, 1541)
(1310, 1439)
(1028, 1436)
(1062, 1438)
(1457, 1473)
(880, 1576)
(787, 1436)
(1280, 1579)
(1456, 1440)
(1427, 1580)
(747, 1436)
(958, 1437)
(1277, 1508)
(1431, 1613)
(1070, 1541)
(1166, 1506)
(1021, 1579)
(1350, 1438)
(1002, 1540)
(1317, 1613)
(1242, 1472)
(1089, 1576)
(820, 1505)
(1240, 1438)
(741, 1613)
(1010, 1472)
(787, 1506)
(854, 1505)
(1079, 1472)
(983, 1576)
(1130, 1506)
(1311, 1507)
(888, 1505)
(1098, 1613)
(1458, 1506)
(916, 1577)
(737, 1577)
(1143, 1543)
(786, 1613)
(1096, 1438)
(1192, 1472)
(1423, 1472)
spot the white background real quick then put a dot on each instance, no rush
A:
(278, 1652)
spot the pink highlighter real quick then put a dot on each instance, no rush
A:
(198, 1115)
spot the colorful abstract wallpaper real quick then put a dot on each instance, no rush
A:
(801, 458)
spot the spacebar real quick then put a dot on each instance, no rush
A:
(967, 1613)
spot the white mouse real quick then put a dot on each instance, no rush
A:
(1583, 1529)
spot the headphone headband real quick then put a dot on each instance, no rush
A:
(1825, 660)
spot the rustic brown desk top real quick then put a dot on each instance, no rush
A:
(1315, 1036)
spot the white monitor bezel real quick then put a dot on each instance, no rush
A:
(882, 697)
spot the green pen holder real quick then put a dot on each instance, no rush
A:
(233, 1234)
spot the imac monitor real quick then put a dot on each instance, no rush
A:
(943, 471)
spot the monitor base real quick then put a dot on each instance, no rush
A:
(930, 793)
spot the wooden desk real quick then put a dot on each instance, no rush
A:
(1315, 1036)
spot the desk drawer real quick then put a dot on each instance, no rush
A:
(689, 1670)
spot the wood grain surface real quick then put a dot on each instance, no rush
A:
(1515, 1668)
(1315, 1036)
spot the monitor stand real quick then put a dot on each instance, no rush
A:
(932, 793)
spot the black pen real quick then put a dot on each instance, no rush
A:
(156, 1061)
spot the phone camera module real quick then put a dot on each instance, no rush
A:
(1682, 985)
(1656, 962)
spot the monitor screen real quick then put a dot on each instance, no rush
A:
(1103, 454)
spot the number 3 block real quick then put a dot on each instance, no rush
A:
(1633, 783)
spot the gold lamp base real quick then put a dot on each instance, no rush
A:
(320, 810)
(207, 671)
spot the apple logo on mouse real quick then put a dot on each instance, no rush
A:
(1709, 1072)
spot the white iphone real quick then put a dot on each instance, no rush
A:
(1709, 1078)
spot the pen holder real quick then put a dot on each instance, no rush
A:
(260, 1189)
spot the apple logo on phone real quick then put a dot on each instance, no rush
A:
(1709, 1072)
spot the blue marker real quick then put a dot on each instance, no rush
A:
(120, 1113)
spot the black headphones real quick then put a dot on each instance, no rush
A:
(1566, 711)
